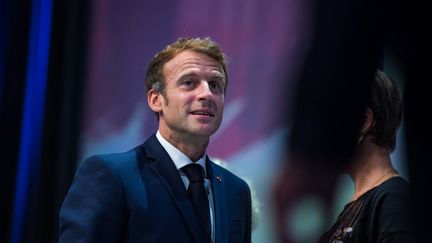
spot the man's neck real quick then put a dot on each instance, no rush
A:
(193, 147)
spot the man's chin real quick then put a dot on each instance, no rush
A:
(205, 132)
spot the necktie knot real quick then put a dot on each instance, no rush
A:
(194, 172)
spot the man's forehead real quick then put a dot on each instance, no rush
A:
(190, 59)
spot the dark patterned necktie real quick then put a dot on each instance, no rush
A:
(198, 194)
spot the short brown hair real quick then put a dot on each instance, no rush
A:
(154, 78)
(386, 106)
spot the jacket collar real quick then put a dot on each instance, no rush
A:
(165, 169)
(219, 197)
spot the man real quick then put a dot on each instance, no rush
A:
(145, 194)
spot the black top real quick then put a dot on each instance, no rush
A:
(382, 214)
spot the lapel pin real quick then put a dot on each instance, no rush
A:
(219, 179)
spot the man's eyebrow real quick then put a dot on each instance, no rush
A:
(188, 75)
(218, 78)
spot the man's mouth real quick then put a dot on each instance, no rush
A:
(202, 113)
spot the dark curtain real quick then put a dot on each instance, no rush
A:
(51, 168)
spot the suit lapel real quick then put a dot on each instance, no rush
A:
(164, 167)
(219, 199)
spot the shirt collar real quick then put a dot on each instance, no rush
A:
(179, 158)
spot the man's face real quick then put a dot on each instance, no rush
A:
(193, 104)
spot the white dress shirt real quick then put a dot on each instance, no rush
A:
(180, 160)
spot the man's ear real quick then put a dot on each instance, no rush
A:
(368, 121)
(154, 100)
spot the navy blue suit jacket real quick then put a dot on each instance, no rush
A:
(139, 196)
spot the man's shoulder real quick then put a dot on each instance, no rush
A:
(119, 159)
(113, 160)
(115, 157)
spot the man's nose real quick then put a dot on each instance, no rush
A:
(204, 91)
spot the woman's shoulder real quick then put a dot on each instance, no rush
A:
(393, 193)
(395, 185)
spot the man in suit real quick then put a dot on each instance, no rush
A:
(145, 194)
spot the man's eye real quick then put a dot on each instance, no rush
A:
(215, 85)
(188, 82)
